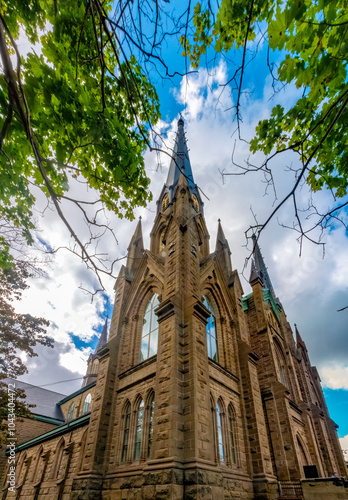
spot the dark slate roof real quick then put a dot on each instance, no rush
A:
(45, 400)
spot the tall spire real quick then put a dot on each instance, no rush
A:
(221, 240)
(258, 267)
(135, 249)
(223, 252)
(180, 163)
(299, 340)
(103, 337)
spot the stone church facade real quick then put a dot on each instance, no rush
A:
(199, 392)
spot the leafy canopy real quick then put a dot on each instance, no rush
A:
(18, 333)
(312, 39)
(81, 108)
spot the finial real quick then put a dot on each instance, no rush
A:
(140, 217)
(181, 120)
(219, 220)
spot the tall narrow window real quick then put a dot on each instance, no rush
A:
(281, 364)
(231, 429)
(127, 417)
(95, 366)
(151, 411)
(87, 404)
(149, 336)
(212, 343)
(58, 471)
(221, 448)
(195, 202)
(71, 412)
(139, 431)
(165, 202)
(36, 472)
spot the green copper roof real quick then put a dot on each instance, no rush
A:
(245, 301)
(68, 427)
(80, 391)
(267, 297)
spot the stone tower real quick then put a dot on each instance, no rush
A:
(201, 392)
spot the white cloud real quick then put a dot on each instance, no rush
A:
(344, 446)
(75, 360)
(335, 377)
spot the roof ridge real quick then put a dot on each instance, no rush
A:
(33, 385)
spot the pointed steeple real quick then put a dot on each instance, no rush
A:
(180, 163)
(180, 167)
(221, 240)
(254, 274)
(299, 340)
(135, 248)
(223, 251)
(103, 337)
(259, 268)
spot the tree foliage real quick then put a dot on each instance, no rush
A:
(82, 108)
(311, 41)
(19, 333)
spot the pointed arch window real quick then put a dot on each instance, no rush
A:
(151, 413)
(212, 342)
(95, 366)
(281, 364)
(139, 431)
(58, 470)
(231, 431)
(71, 412)
(165, 202)
(220, 435)
(149, 334)
(195, 202)
(38, 459)
(87, 404)
(127, 418)
(21, 468)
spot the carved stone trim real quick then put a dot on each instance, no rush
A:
(165, 310)
(201, 312)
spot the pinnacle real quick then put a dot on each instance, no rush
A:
(103, 337)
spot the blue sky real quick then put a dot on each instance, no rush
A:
(311, 289)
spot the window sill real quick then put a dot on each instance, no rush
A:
(222, 370)
(138, 367)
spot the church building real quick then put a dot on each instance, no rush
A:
(199, 392)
